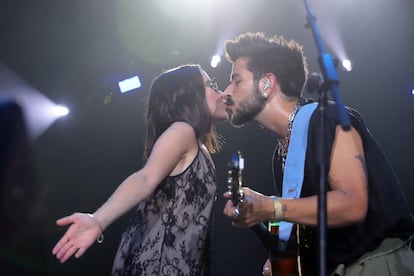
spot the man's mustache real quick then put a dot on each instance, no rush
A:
(228, 100)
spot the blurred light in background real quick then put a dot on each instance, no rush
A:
(346, 63)
(176, 30)
(60, 110)
(180, 9)
(129, 84)
(215, 60)
(38, 110)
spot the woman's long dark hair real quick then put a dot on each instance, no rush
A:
(179, 95)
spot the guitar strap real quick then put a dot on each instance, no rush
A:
(295, 165)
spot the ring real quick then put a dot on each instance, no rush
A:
(236, 213)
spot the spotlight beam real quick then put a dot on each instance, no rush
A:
(39, 111)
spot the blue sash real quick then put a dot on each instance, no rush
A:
(295, 165)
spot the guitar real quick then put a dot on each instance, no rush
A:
(286, 262)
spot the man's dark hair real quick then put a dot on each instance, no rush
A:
(284, 58)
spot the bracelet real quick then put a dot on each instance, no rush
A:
(278, 209)
(100, 239)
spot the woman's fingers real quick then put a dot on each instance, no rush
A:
(70, 251)
(63, 249)
(267, 268)
(66, 220)
(80, 252)
(60, 244)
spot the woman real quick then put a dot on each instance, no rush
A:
(173, 193)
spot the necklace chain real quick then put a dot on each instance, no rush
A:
(282, 148)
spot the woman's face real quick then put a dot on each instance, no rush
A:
(214, 98)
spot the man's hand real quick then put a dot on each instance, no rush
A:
(255, 209)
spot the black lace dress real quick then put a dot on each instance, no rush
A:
(167, 234)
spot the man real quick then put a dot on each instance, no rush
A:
(369, 224)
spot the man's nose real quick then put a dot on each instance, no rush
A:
(227, 92)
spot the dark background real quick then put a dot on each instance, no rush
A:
(74, 52)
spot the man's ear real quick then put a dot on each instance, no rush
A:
(268, 84)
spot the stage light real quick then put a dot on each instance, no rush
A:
(129, 84)
(60, 110)
(346, 63)
(215, 60)
(39, 111)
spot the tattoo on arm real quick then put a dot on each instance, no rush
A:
(284, 208)
(364, 165)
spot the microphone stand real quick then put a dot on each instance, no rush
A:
(331, 82)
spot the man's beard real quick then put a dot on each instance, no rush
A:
(249, 108)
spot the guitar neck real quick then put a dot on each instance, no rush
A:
(283, 262)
